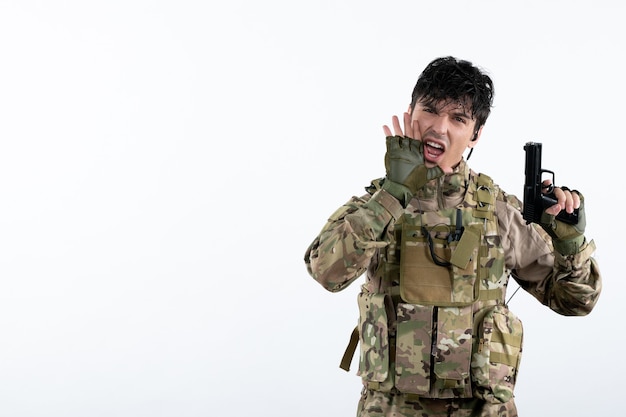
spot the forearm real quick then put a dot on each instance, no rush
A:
(568, 284)
(576, 282)
(570, 287)
(347, 243)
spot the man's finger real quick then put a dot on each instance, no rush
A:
(396, 126)
(407, 126)
(554, 210)
(546, 186)
(576, 198)
(415, 127)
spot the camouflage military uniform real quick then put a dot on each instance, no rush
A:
(418, 329)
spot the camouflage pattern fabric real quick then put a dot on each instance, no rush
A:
(378, 404)
(497, 356)
(374, 337)
(469, 344)
(355, 236)
(571, 295)
(414, 335)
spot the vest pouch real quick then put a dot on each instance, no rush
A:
(413, 348)
(452, 352)
(423, 281)
(498, 353)
(374, 340)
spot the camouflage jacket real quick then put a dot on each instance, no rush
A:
(432, 317)
(349, 243)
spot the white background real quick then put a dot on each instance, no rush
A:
(165, 164)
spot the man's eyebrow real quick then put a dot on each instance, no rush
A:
(462, 113)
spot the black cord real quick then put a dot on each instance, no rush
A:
(436, 258)
(454, 236)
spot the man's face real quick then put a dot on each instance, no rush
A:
(447, 129)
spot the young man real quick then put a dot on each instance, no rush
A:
(438, 243)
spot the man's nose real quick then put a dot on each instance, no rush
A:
(440, 125)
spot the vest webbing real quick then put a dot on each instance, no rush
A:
(485, 198)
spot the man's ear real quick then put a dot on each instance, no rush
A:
(476, 137)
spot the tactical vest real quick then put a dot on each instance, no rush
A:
(437, 325)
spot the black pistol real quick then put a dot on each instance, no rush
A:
(536, 201)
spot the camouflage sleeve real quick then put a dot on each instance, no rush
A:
(569, 285)
(577, 282)
(345, 246)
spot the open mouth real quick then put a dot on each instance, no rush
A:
(433, 150)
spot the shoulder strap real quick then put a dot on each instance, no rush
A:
(485, 193)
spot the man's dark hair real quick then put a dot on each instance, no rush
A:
(450, 79)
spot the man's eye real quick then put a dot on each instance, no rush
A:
(429, 110)
(461, 120)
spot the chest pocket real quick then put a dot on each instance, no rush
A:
(439, 268)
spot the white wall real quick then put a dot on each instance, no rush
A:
(165, 164)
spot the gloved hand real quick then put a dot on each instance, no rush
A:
(566, 238)
(406, 172)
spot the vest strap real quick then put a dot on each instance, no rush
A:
(484, 197)
(484, 180)
(506, 339)
(505, 358)
(350, 349)
(492, 294)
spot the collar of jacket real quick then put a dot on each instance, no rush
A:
(444, 192)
